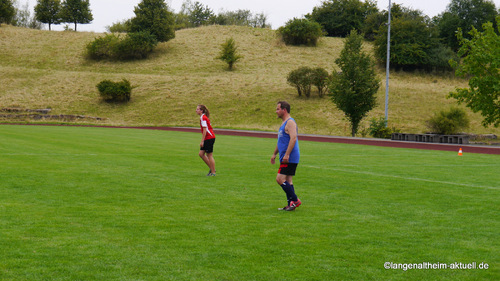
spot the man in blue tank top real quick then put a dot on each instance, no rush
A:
(288, 149)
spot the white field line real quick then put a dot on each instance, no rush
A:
(402, 177)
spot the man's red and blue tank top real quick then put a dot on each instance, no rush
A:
(283, 141)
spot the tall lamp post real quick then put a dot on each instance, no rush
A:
(387, 66)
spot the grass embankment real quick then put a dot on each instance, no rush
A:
(47, 69)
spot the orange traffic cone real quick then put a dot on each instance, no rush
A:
(460, 152)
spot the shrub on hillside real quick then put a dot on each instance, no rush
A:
(119, 27)
(301, 32)
(301, 79)
(102, 47)
(320, 79)
(136, 45)
(229, 53)
(115, 91)
(378, 129)
(448, 122)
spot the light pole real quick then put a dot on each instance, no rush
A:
(387, 66)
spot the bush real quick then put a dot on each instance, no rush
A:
(301, 32)
(119, 27)
(320, 79)
(133, 46)
(137, 45)
(448, 122)
(102, 47)
(301, 79)
(228, 53)
(439, 58)
(115, 91)
(378, 129)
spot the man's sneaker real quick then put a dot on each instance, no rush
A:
(284, 208)
(294, 204)
(210, 174)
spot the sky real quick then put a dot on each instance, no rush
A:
(278, 12)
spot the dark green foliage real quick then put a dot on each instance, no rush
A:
(241, 18)
(481, 64)
(378, 129)
(103, 47)
(353, 90)
(339, 17)
(414, 42)
(200, 15)
(301, 32)
(136, 45)
(7, 11)
(48, 11)
(229, 53)
(76, 11)
(372, 25)
(195, 14)
(120, 27)
(320, 79)
(115, 91)
(439, 58)
(448, 122)
(464, 15)
(301, 79)
(154, 17)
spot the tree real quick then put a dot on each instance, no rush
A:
(464, 14)
(414, 42)
(339, 17)
(47, 11)
(23, 18)
(372, 24)
(301, 79)
(301, 32)
(7, 11)
(153, 16)
(229, 53)
(260, 20)
(76, 11)
(200, 15)
(353, 89)
(319, 78)
(481, 62)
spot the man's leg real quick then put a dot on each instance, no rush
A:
(286, 183)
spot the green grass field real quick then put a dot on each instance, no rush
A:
(81, 203)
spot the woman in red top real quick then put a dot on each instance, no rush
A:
(208, 139)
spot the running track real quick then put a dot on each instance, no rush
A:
(466, 148)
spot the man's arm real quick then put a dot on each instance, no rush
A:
(273, 158)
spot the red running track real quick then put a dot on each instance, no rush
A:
(466, 148)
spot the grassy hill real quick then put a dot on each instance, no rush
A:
(47, 69)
